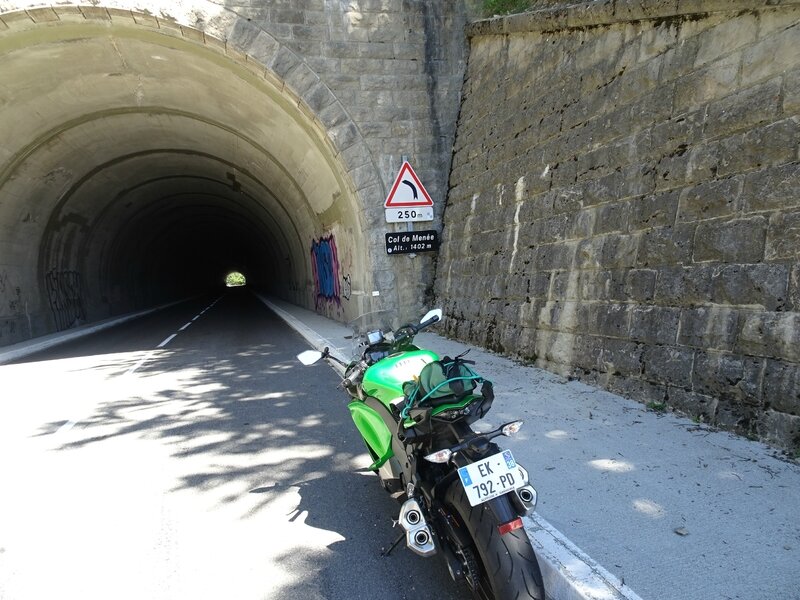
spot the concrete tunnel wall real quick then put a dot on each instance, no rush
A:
(149, 148)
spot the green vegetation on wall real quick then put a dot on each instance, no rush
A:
(505, 7)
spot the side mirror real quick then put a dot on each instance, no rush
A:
(309, 357)
(431, 317)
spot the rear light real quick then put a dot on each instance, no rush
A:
(510, 526)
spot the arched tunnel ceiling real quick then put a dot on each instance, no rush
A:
(153, 166)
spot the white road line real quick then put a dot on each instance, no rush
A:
(66, 427)
(167, 341)
(185, 326)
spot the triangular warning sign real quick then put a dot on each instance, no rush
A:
(407, 190)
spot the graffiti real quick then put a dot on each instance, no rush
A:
(325, 266)
(347, 287)
(65, 292)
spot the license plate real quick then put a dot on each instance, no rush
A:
(490, 477)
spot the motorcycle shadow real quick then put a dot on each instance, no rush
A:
(351, 505)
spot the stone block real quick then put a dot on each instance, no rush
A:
(693, 404)
(729, 377)
(761, 147)
(621, 357)
(730, 241)
(602, 190)
(263, 49)
(710, 200)
(42, 15)
(554, 257)
(726, 37)
(711, 327)
(761, 285)
(609, 320)
(95, 13)
(745, 109)
(343, 136)
(791, 97)
(587, 352)
(588, 253)
(654, 324)
(673, 136)
(770, 334)
(794, 289)
(714, 81)
(640, 285)
(611, 217)
(773, 55)
(780, 429)
(683, 286)
(782, 386)
(620, 251)
(774, 188)
(637, 389)
(18, 16)
(666, 246)
(653, 211)
(670, 365)
(783, 237)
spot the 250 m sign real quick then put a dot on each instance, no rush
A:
(405, 215)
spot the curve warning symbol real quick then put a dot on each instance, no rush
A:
(410, 193)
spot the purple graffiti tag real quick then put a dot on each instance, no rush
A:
(325, 266)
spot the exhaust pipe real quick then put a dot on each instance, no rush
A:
(418, 535)
(524, 499)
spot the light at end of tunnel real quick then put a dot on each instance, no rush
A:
(235, 279)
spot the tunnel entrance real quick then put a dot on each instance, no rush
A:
(140, 162)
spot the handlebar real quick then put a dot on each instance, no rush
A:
(354, 375)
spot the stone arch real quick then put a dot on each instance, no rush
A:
(117, 150)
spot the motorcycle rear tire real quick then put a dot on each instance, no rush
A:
(509, 569)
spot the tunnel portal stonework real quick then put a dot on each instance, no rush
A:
(624, 203)
(281, 121)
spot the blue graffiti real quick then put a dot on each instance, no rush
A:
(325, 265)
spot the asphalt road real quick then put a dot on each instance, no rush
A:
(210, 464)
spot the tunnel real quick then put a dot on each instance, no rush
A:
(143, 161)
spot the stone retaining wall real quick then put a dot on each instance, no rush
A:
(624, 203)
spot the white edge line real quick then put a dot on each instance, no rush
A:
(568, 572)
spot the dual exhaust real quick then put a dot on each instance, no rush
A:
(418, 535)
(419, 538)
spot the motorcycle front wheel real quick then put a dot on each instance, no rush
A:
(507, 568)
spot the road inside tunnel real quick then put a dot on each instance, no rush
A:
(138, 168)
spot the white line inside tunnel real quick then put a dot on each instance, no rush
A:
(71, 423)
(168, 340)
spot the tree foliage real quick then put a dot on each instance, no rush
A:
(505, 7)
(235, 279)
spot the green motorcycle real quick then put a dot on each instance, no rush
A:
(461, 495)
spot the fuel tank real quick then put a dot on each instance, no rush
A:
(384, 380)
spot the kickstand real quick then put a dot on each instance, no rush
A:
(393, 546)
